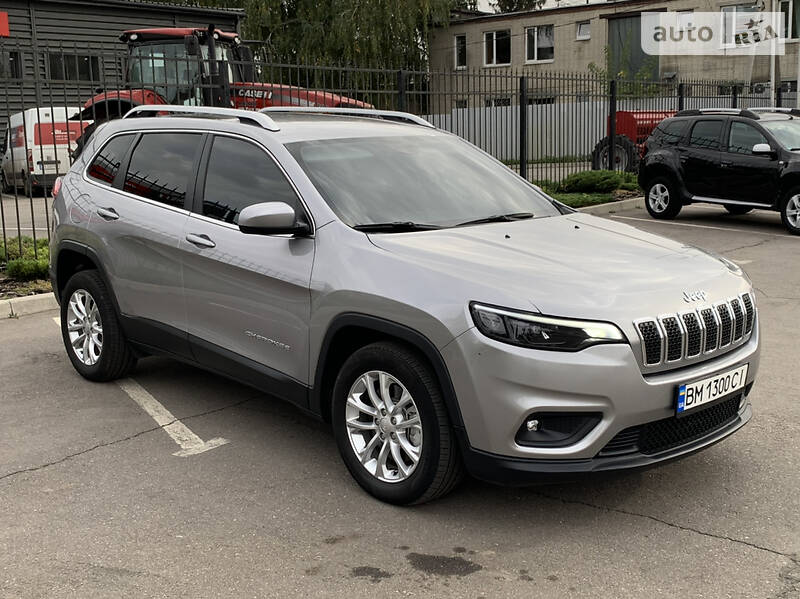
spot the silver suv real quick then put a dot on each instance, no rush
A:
(443, 314)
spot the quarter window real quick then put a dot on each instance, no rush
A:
(705, 134)
(106, 164)
(743, 137)
(161, 167)
(670, 133)
(539, 43)
(497, 47)
(240, 174)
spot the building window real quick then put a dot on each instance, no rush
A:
(497, 47)
(461, 52)
(584, 30)
(489, 102)
(10, 65)
(685, 19)
(461, 104)
(791, 18)
(72, 67)
(539, 43)
(734, 20)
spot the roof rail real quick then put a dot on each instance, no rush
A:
(245, 116)
(392, 115)
(780, 109)
(743, 112)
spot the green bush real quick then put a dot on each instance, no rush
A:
(592, 182)
(28, 253)
(23, 269)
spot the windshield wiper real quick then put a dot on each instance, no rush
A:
(498, 218)
(395, 227)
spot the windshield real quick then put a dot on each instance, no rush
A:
(427, 179)
(786, 132)
(170, 71)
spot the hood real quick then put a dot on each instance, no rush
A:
(574, 265)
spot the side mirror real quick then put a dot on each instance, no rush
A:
(192, 45)
(272, 218)
(762, 150)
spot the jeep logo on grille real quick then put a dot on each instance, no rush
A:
(694, 296)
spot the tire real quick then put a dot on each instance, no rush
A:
(661, 198)
(737, 209)
(790, 211)
(438, 468)
(28, 188)
(626, 156)
(114, 358)
(5, 185)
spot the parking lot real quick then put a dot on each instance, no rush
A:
(96, 503)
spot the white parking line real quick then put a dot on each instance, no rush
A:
(676, 224)
(189, 442)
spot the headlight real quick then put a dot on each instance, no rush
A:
(542, 332)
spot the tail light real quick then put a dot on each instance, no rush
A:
(56, 186)
(30, 160)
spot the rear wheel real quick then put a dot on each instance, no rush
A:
(626, 156)
(91, 332)
(737, 209)
(790, 211)
(661, 199)
(391, 426)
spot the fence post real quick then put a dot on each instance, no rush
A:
(612, 123)
(681, 96)
(523, 126)
(779, 96)
(734, 96)
(401, 90)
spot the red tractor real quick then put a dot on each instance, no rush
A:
(633, 129)
(192, 66)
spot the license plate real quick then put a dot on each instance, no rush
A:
(698, 393)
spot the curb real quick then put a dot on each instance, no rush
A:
(30, 304)
(614, 207)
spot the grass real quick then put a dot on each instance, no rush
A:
(10, 288)
(579, 200)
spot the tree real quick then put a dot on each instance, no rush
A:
(382, 33)
(516, 5)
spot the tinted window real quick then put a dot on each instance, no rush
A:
(743, 137)
(429, 179)
(705, 134)
(106, 164)
(161, 165)
(670, 133)
(240, 174)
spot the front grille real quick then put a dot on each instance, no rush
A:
(669, 433)
(672, 338)
(694, 334)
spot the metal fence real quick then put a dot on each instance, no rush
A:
(547, 125)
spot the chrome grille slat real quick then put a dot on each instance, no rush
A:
(672, 338)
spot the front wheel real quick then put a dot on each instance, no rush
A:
(391, 426)
(661, 199)
(790, 211)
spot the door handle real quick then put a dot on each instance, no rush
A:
(200, 240)
(108, 213)
(725, 164)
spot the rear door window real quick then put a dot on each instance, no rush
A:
(705, 134)
(240, 174)
(161, 167)
(105, 165)
(670, 133)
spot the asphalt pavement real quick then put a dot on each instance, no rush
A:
(95, 503)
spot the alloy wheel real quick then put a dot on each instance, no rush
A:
(84, 327)
(384, 426)
(793, 211)
(658, 197)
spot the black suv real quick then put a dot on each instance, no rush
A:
(742, 159)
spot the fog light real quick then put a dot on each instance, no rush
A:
(556, 429)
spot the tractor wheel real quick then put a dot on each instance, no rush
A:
(626, 156)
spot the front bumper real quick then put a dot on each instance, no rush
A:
(499, 386)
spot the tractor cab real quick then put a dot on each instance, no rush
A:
(185, 65)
